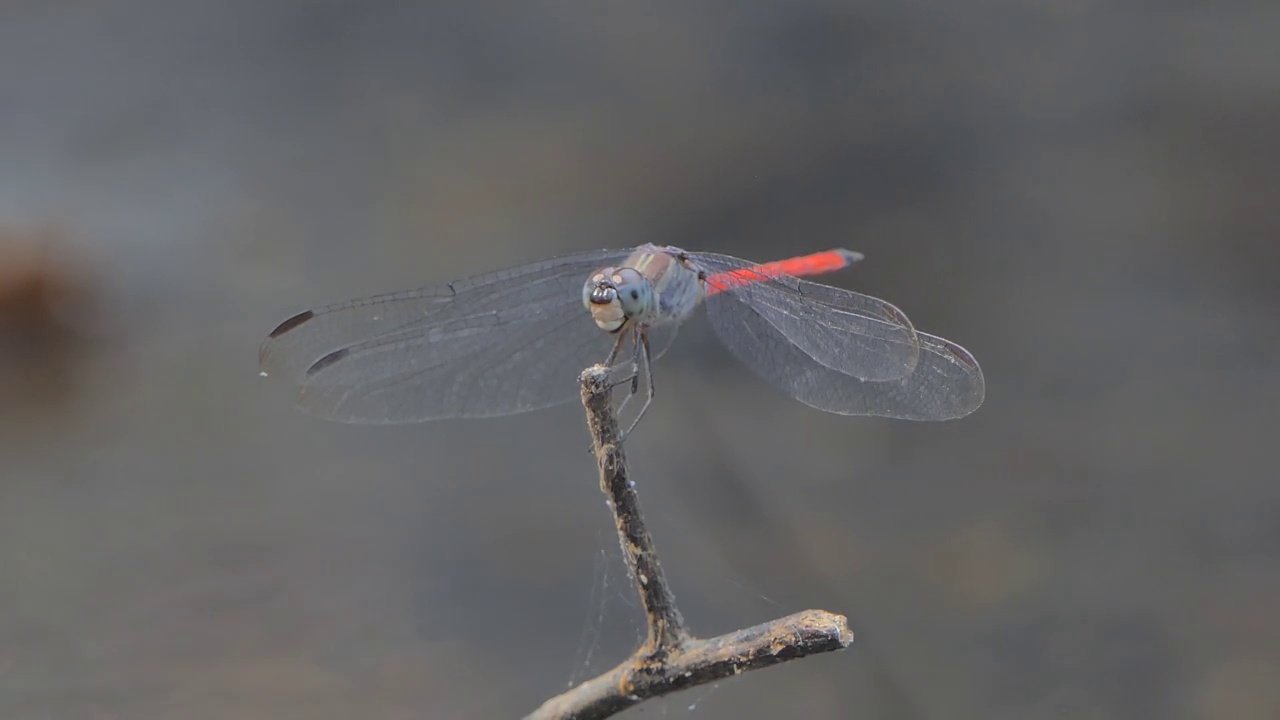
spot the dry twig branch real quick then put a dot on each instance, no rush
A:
(671, 659)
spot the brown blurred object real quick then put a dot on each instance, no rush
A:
(41, 292)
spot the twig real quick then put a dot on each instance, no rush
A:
(671, 659)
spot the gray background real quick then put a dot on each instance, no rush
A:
(1082, 193)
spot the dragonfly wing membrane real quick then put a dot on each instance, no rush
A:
(944, 383)
(496, 344)
(860, 336)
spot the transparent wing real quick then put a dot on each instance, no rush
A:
(859, 336)
(497, 344)
(945, 381)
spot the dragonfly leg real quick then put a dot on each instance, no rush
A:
(635, 366)
(617, 348)
(648, 383)
(641, 343)
(633, 333)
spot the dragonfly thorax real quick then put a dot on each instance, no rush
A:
(617, 295)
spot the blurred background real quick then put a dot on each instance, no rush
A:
(1084, 194)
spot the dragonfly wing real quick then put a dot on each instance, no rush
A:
(496, 344)
(851, 333)
(946, 382)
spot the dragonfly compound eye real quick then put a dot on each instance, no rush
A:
(634, 292)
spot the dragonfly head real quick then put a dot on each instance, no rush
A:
(616, 295)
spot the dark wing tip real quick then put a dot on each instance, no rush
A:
(327, 360)
(977, 387)
(896, 316)
(964, 357)
(291, 323)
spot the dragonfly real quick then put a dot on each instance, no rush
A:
(515, 340)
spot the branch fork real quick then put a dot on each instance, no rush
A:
(670, 658)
